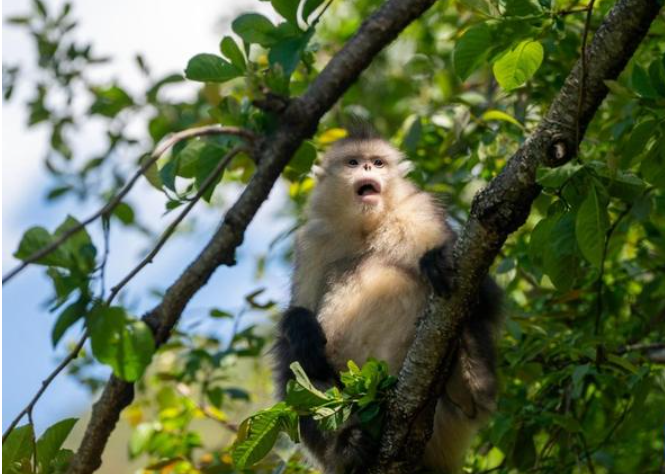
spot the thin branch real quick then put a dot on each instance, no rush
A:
(45, 383)
(108, 208)
(205, 186)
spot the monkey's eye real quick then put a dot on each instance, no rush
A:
(352, 162)
(378, 163)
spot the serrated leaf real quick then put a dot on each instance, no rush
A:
(518, 65)
(471, 50)
(51, 441)
(254, 28)
(17, 446)
(211, 68)
(233, 53)
(591, 226)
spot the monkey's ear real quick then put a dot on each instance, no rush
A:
(404, 167)
(319, 172)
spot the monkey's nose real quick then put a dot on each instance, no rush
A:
(367, 166)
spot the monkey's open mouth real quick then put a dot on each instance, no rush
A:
(367, 189)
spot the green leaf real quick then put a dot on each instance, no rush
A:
(471, 50)
(67, 318)
(36, 239)
(653, 165)
(211, 68)
(303, 159)
(591, 226)
(76, 253)
(518, 65)
(309, 7)
(288, 9)
(522, 8)
(302, 399)
(560, 253)
(254, 28)
(124, 213)
(51, 441)
(110, 101)
(288, 52)
(499, 115)
(555, 177)
(121, 342)
(303, 380)
(17, 446)
(81, 250)
(257, 435)
(233, 53)
(642, 82)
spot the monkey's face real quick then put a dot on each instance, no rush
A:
(361, 173)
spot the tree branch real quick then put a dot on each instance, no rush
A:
(297, 122)
(108, 208)
(498, 210)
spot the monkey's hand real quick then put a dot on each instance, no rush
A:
(437, 266)
(353, 450)
(306, 342)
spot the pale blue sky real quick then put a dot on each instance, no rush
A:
(167, 33)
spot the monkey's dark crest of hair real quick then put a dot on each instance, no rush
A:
(358, 128)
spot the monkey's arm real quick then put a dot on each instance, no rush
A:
(301, 339)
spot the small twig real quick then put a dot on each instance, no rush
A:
(572, 11)
(216, 173)
(582, 79)
(34, 441)
(113, 203)
(45, 383)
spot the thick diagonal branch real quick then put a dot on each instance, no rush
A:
(298, 122)
(498, 210)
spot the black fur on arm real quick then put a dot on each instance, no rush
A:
(301, 339)
(437, 266)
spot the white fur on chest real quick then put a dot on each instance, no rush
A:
(372, 312)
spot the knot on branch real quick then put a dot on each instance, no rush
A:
(559, 151)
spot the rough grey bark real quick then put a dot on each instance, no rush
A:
(297, 122)
(498, 210)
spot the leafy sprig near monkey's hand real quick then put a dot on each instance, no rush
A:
(362, 393)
